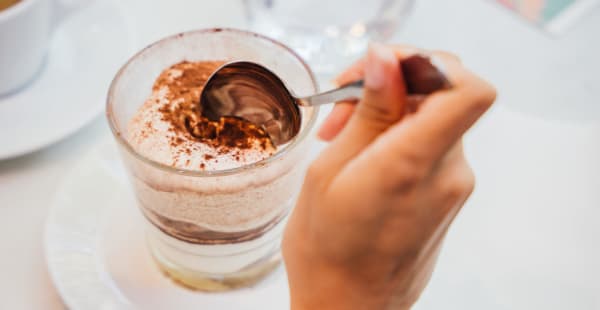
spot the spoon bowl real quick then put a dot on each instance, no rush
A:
(252, 92)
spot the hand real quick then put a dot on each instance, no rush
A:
(376, 204)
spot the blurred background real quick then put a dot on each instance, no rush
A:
(529, 238)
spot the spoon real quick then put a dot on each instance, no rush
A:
(252, 92)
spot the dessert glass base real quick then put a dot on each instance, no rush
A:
(214, 268)
(202, 281)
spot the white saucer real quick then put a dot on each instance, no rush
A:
(86, 51)
(97, 256)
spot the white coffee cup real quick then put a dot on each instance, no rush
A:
(25, 31)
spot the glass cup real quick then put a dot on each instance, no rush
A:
(329, 34)
(213, 230)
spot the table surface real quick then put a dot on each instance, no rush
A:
(529, 236)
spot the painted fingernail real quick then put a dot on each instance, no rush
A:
(378, 58)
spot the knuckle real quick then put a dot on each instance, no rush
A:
(478, 93)
(376, 116)
(486, 93)
(405, 175)
(482, 93)
(460, 184)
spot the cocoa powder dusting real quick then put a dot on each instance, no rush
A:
(184, 83)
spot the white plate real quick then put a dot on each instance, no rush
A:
(86, 50)
(97, 256)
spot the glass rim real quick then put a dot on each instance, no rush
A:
(197, 173)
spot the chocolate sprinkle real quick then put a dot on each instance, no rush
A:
(184, 111)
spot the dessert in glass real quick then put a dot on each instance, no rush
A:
(215, 195)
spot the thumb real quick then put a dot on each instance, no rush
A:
(382, 105)
(385, 93)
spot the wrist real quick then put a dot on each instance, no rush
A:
(325, 289)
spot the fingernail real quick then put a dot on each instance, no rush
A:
(378, 58)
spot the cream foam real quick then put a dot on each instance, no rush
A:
(152, 136)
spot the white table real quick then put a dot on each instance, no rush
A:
(528, 238)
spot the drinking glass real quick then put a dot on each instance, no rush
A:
(213, 230)
(328, 34)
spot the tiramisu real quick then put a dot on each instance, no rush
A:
(202, 213)
(215, 193)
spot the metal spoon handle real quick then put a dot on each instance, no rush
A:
(421, 76)
(352, 91)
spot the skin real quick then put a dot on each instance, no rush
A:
(377, 203)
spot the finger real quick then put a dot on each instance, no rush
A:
(382, 105)
(445, 116)
(421, 140)
(336, 120)
(339, 117)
